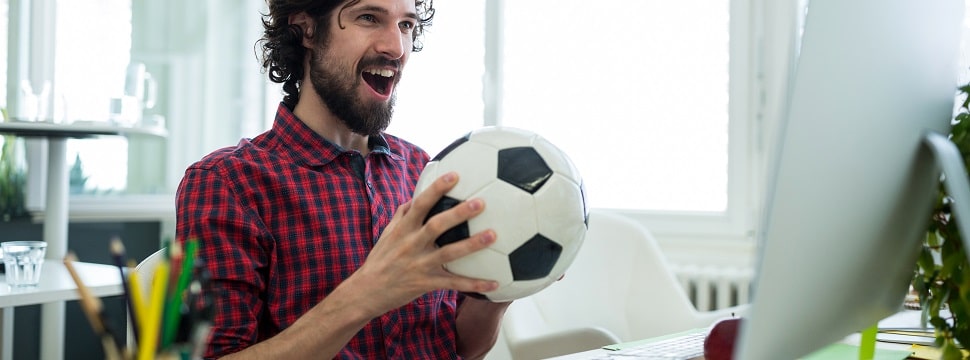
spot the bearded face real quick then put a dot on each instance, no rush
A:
(339, 85)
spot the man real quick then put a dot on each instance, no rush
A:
(314, 246)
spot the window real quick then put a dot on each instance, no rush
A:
(4, 11)
(92, 47)
(653, 106)
(643, 114)
(440, 95)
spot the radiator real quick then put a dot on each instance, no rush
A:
(715, 287)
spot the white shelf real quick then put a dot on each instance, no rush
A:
(56, 284)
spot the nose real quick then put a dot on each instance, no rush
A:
(393, 43)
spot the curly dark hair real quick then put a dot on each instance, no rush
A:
(281, 43)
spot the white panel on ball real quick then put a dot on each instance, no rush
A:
(475, 164)
(502, 139)
(557, 160)
(507, 207)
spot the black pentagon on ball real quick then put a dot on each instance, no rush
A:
(454, 234)
(534, 259)
(523, 167)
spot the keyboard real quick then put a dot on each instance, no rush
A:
(683, 347)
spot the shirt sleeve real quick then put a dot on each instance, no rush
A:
(231, 250)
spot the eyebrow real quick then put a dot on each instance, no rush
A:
(378, 9)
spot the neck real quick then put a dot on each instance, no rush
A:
(312, 111)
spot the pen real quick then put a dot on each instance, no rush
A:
(93, 309)
(118, 253)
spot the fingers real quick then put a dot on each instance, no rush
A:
(427, 198)
(454, 251)
(421, 205)
(417, 211)
(465, 247)
(439, 223)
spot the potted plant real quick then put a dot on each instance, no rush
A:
(13, 179)
(942, 277)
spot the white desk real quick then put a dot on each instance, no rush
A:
(56, 204)
(909, 319)
(56, 286)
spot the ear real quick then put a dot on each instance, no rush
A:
(306, 23)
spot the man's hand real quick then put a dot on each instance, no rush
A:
(406, 263)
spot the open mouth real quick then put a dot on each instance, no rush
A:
(381, 80)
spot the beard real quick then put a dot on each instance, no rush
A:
(337, 85)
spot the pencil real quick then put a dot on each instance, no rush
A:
(152, 319)
(137, 299)
(173, 310)
(93, 309)
(118, 253)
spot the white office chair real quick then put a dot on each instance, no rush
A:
(619, 288)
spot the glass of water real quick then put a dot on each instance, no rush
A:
(22, 261)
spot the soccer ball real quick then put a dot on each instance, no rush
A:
(534, 201)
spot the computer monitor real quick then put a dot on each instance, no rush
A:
(854, 180)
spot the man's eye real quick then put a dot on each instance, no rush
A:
(407, 25)
(368, 18)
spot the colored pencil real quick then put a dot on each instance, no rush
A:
(137, 299)
(173, 310)
(93, 309)
(151, 323)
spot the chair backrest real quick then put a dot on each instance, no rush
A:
(619, 288)
(619, 281)
(146, 271)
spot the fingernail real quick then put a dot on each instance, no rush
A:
(475, 204)
(450, 177)
(488, 237)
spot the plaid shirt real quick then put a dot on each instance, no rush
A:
(283, 218)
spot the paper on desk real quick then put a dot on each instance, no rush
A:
(909, 338)
(845, 351)
(905, 327)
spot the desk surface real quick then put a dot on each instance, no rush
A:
(905, 319)
(73, 130)
(56, 284)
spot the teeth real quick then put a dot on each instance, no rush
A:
(381, 72)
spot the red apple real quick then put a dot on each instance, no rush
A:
(719, 344)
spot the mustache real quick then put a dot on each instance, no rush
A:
(379, 61)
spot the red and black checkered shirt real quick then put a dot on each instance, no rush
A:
(283, 218)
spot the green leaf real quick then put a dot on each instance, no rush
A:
(932, 238)
(952, 262)
(950, 351)
(925, 260)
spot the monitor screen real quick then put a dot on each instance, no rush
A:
(852, 184)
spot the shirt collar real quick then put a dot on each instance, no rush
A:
(313, 149)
